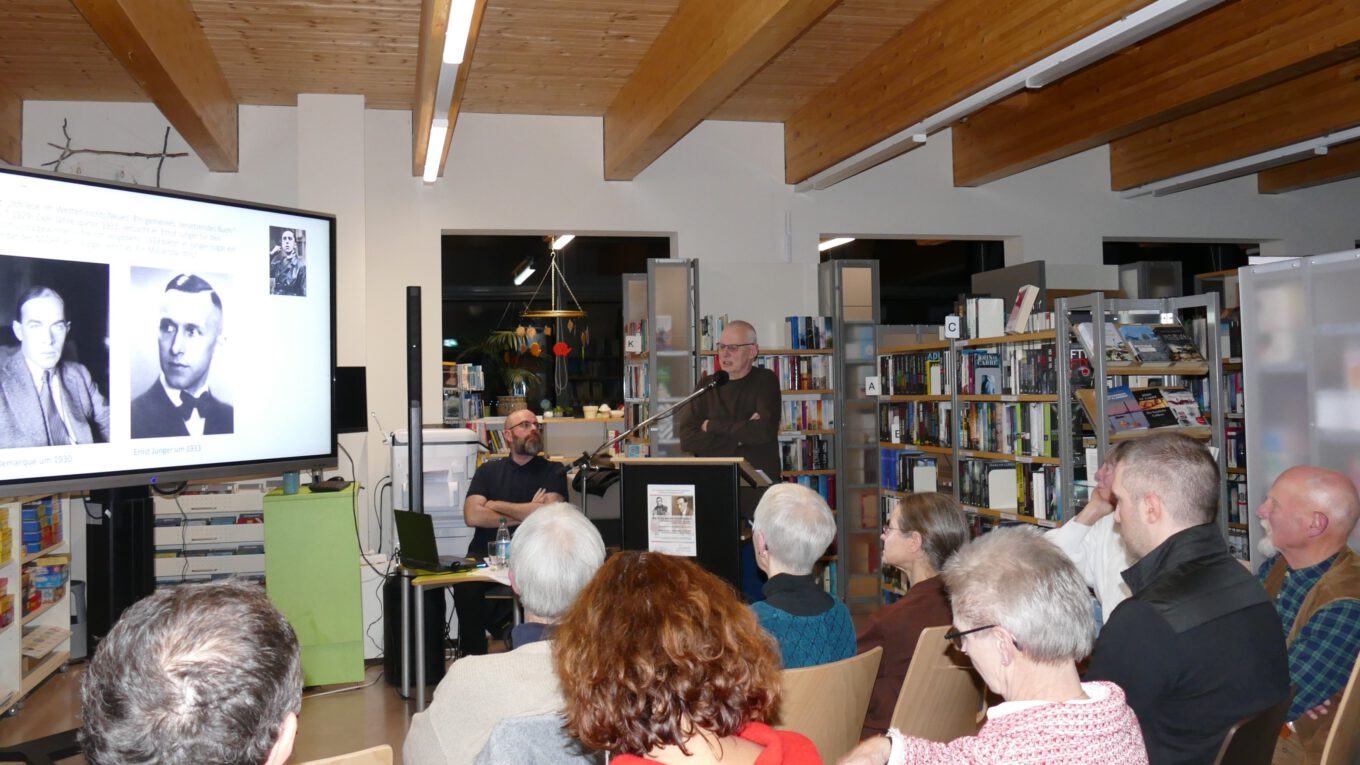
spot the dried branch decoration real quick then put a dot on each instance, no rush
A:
(67, 152)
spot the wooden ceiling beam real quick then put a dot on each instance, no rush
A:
(1291, 112)
(434, 22)
(1232, 50)
(11, 127)
(951, 52)
(163, 47)
(1338, 164)
(702, 56)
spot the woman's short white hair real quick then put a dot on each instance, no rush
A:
(796, 524)
(1014, 578)
(553, 554)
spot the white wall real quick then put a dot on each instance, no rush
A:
(719, 192)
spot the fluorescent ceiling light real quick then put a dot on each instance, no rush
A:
(1244, 166)
(837, 242)
(524, 271)
(1136, 26)
(460, 25)
(439, 130)
(562, 241)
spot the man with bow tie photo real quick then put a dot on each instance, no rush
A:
(179, 402)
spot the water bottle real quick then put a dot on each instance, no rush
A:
(500, 548)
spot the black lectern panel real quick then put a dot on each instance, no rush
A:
(716, 523)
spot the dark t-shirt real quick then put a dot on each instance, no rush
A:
(504, 481)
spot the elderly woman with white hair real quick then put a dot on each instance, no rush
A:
(1022, 614)
(792, 528)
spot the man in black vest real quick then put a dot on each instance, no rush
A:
(1199, 645)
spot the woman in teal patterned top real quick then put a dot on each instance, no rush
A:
(793, 527)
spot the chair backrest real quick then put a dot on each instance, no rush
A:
(1252, 741)
(942, 696)
(827, 703)
(1343, 742)
(378, 755)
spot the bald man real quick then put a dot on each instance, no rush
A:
(741, 418)
(1314, 578)
(511, 488)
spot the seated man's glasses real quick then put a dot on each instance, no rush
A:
(524, 425)
(723, 347)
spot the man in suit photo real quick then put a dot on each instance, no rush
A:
(45, 401)
(179, 402)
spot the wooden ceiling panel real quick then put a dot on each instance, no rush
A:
(563, 57)
(48, 52)
(273, 50)
(846, 35)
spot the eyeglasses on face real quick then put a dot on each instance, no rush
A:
(956, 637)
(524, 425)
(723, 347)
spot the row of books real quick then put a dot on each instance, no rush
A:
(806, 333)
(923, 423)
(635, 336)
(1022, 429)
(466, 405)
(810, 453)
(824, 485)
(801, 372)
(1128, 409)
(466, 377)
(6, 540)
(636, 382)
(914, 374)
(807, 415)
(908, 471)
(1023, 488)
(1143, 343)
(1008, 371)
(1235, 443)
(1238, 510)
(1229, 335)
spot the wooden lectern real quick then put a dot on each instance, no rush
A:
(718, 486)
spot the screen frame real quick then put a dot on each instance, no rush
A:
(80, 483)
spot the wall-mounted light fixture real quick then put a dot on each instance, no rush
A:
(836, 242)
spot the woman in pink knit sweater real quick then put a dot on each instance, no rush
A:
(1024, 617)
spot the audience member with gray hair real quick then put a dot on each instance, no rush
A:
(1023, 616)
(923, 532)
(1180, 646)
(200, 673)
(553, 555)
(792, 528)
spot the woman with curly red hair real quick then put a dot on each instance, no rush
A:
(661, 662)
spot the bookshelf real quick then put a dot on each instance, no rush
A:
(848, 294)
(1301, 372)
(35, 639)
(463, 386)
(1089, 403)
(1227, 285)
(661, 342)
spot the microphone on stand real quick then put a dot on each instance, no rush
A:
(718, 379)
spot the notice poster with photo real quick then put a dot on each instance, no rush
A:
(670, 519)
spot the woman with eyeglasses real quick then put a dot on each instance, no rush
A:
(1023, 616)
(922, 533)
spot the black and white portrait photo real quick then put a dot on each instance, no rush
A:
(54, 360)
(287, 261)
(175, 378)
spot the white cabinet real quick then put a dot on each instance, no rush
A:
(201, 537)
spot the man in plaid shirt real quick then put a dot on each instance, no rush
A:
(1314, 578)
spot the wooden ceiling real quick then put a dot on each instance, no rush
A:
(1243, 78)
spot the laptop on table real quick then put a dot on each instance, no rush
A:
(417, 547)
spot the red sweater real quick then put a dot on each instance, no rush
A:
(782, 747)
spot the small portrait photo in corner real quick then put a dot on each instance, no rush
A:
(54, 357)
(178, 379)
(287, 261)
(683, 507)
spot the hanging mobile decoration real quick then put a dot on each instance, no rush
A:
(558, 292)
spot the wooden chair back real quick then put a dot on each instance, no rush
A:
(1343, 741)
(942, 696)
(1252, 741)
(827, 703)
(378, 755)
